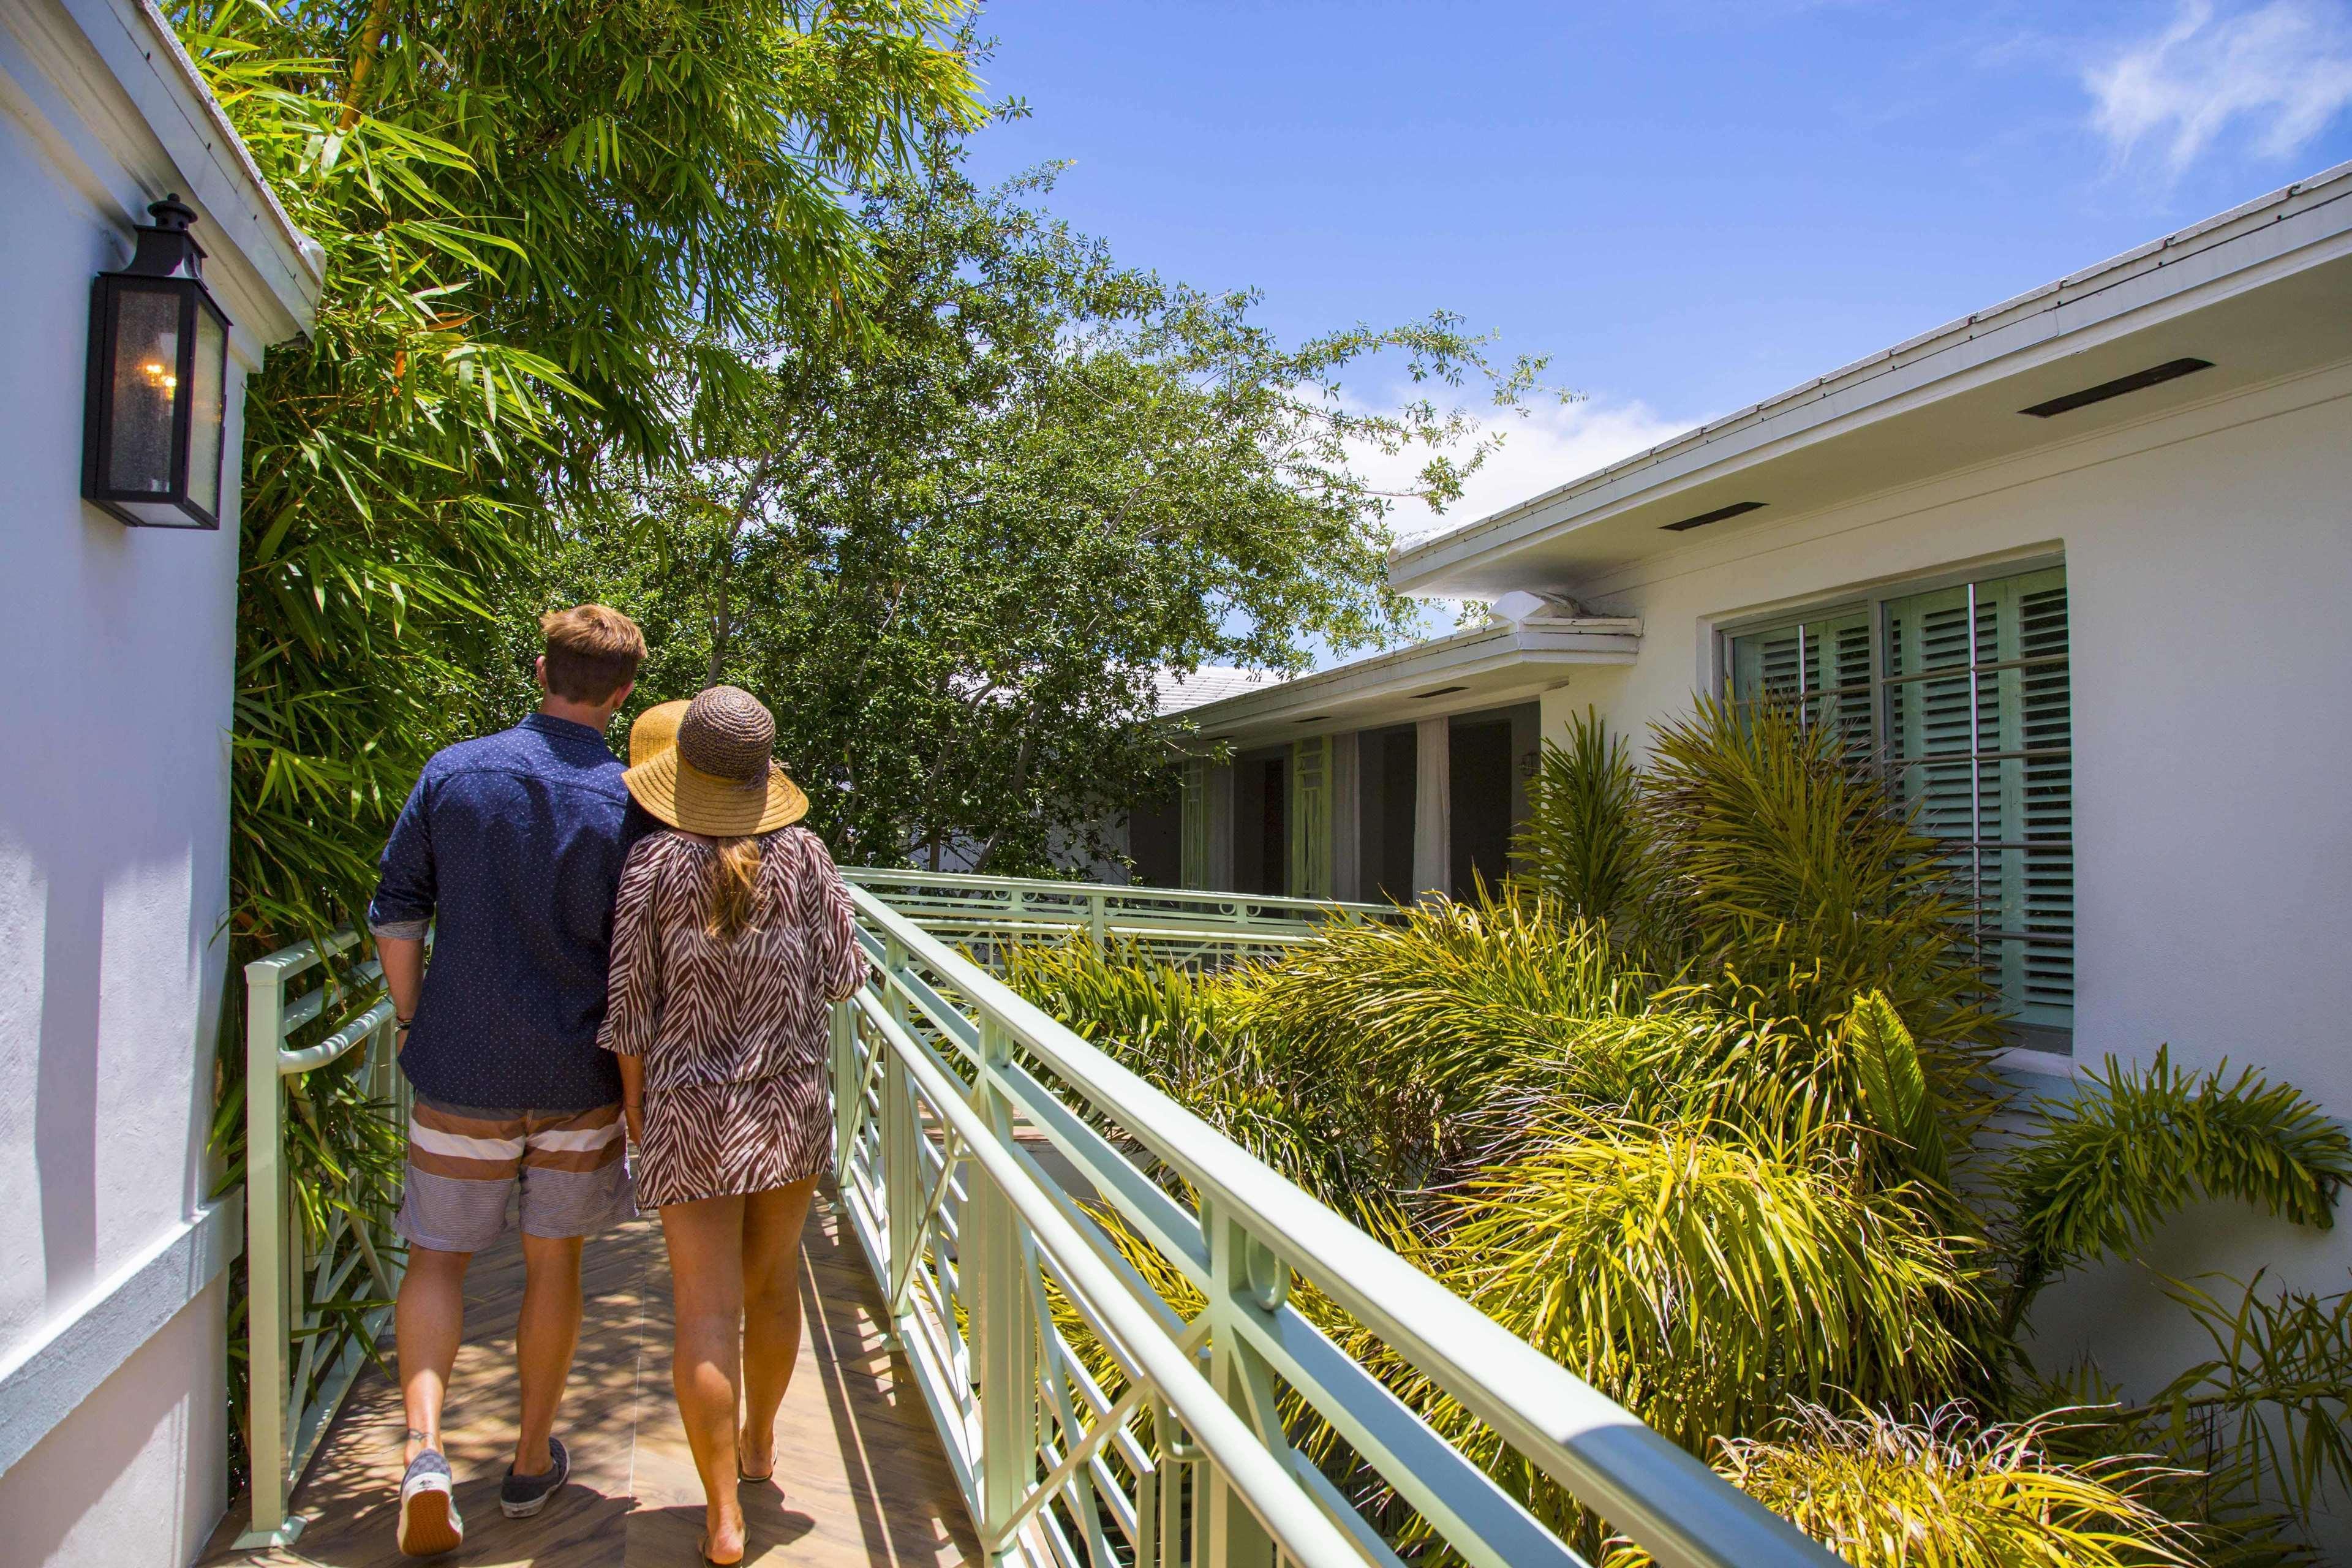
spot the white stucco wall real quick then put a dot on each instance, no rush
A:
(2208, 565)
(118, 645)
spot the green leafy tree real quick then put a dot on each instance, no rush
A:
(960, 563)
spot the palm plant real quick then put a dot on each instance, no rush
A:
(1707, 1273)
(1723, 1148)
(1946, 1490)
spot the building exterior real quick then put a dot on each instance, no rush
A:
(2136, 482)
(119, 645)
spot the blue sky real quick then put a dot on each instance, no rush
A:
(1690, 204)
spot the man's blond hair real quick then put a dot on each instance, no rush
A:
(593, 651)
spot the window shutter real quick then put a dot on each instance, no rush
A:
(1981, 733)
(1193, 825)
(1978, 738)
(1310, 817)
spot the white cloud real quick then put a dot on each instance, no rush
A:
(1550, 447)
(2284, 68)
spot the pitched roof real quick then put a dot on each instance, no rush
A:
(1210, 683)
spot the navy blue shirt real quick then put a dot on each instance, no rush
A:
(512, 846)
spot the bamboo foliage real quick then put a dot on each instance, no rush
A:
(530, 215)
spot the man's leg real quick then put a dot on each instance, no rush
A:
(544, 1341)
(428, 1321)
(575, 1184)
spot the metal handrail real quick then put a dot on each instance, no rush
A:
(291, 1393)
(1020, 893)
(912, 1067)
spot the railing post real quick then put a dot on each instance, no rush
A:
(1234, 1538)
(1099, 917)
(266, 1329)
(902, 1167)
(1004, 1358)
(847, 1080)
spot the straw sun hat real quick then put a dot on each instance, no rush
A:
(720, 779)
(654, 731)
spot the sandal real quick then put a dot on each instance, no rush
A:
(743, 1475)
(702, 1549)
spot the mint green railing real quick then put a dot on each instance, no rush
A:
(1178, 925)
(300, 1363)
(978, 1145)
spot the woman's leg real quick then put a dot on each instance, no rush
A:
(771, 1313)
(706, 1264)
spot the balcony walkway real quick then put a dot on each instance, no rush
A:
(864, 1478)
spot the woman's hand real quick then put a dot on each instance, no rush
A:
(634, 1113)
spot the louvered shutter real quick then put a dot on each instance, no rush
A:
(1977, 722)
(1192, 825)
(1311, 818)
(1981, 733)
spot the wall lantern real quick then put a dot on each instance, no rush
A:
(158, 382)
(1530, 765)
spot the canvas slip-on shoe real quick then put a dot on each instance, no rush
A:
(429, 1524)
(520, 1497)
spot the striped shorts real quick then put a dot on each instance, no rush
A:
(469, 1167)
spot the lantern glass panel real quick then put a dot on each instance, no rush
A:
(146, 375)
(209, 375)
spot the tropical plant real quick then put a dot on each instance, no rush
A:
(1948, 1491)
(2103, 1169)
(2270, 1413)
(1588, 841)
(1709, 1273)
(1723, 1148)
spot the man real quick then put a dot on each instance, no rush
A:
(511, 845)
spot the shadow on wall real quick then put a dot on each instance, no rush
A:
(74, 1500)
(65, 1095)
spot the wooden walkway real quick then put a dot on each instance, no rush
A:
(862, 1477)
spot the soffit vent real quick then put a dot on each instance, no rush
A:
(1441, 692)
(2154, 375)
(1718, 515)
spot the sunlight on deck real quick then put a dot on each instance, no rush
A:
(862, 1478)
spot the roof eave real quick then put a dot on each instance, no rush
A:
(1530, 648)
(1853, 393)
(164, 125)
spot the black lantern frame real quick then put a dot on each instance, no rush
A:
(154, 421)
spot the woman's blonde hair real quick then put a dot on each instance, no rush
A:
(734, 888)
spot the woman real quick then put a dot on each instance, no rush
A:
(732, 935)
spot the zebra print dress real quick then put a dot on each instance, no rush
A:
(732, 1033)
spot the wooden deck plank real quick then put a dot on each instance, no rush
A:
(862, 1480)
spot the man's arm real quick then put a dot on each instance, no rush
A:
(633, 1096)
(402, 910)
(403, 977)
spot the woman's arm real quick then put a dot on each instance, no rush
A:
(831, 921)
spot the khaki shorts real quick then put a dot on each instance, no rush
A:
(469, 1167)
